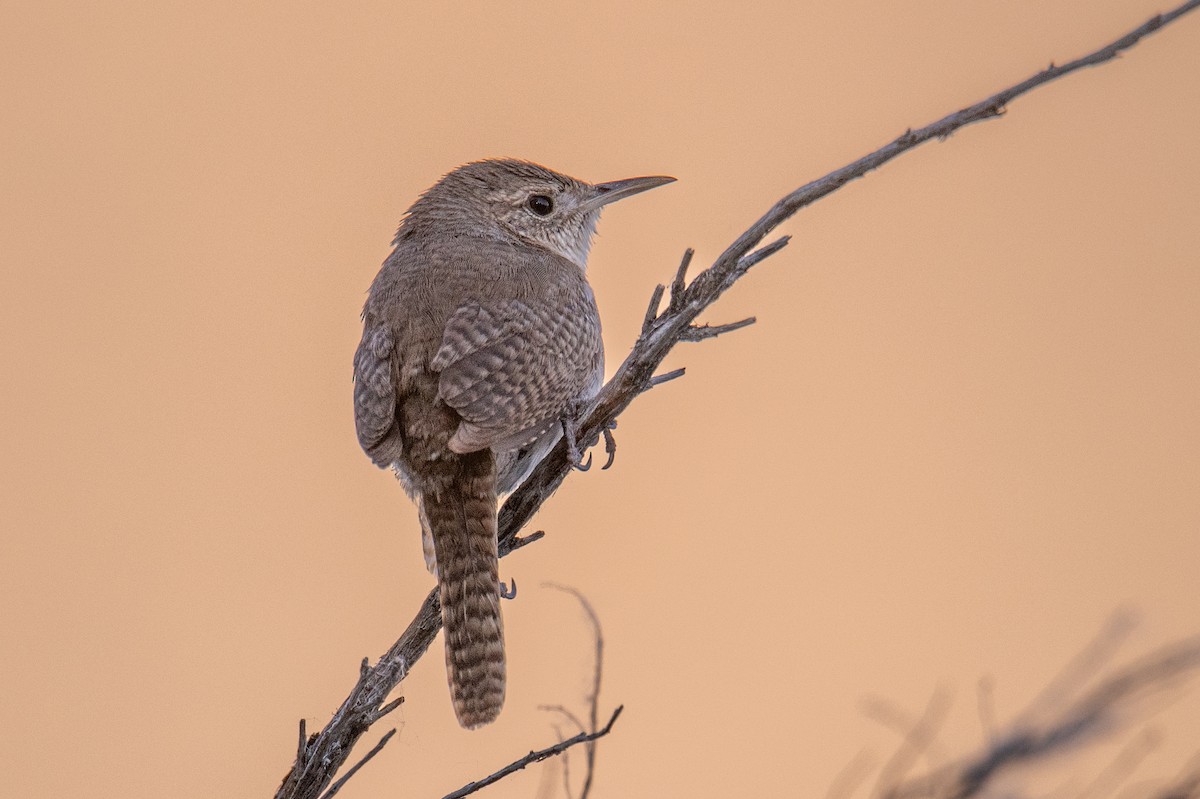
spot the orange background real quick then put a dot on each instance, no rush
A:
(965, 430)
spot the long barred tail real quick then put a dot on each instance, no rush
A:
(462, 519)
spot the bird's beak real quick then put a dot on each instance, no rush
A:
(620, 189)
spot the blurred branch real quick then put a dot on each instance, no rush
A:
(322, 755)
(1045, 732)
(919, 737)
(1184, 786)
(593, 697)
(1123, 765)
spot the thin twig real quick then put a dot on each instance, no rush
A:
(702, 332)
(521, 541)
(652, 308)
(303, 748)
(679, 284)
(330, 748)
(535, 757)
(593, 698)
(337, 786)
(759, 255)
(667, 377)
(388, 708)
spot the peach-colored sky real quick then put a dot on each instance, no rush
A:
(965, 430)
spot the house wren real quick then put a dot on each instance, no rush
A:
(480, 335)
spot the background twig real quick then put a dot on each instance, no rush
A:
(593, 697)
(1044, 733)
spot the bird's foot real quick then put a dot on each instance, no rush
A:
(569, 421)
(574, 454)
(506, 593)
(610, 443)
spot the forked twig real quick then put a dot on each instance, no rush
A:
(536, 757)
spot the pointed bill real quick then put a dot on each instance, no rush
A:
(620, 189)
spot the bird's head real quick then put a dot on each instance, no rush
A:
(506, 198)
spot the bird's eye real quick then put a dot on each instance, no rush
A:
(541, 205)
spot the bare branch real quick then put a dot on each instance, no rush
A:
(319, 760)
(652, 309)
(303, 748)
(536, 757)
(679, 284)
(666, 377)
(989, 108)
(388, 708)
(759, 255)
(701, 332)
(326, 752)
(517, 543)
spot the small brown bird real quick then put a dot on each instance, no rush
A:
(480, 338)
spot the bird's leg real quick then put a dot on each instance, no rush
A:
(610, 443)
(506, 592)
(569, 420)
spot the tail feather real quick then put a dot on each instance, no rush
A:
(462, 519)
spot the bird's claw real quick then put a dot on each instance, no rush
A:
(610, 443)
(506, 593)
(573, 454)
